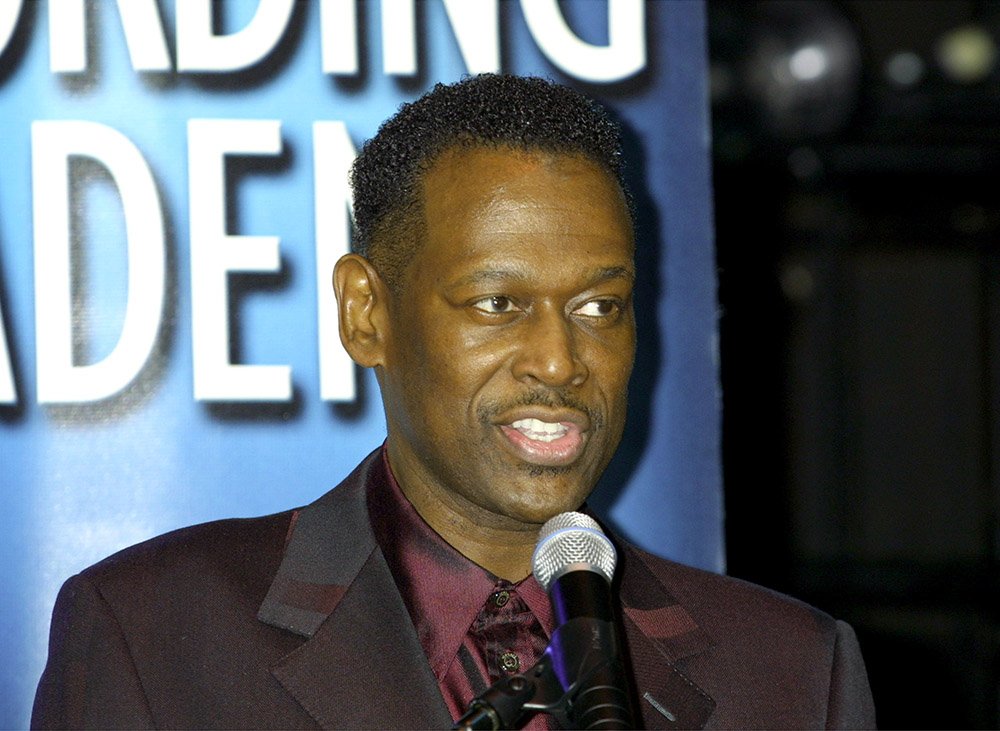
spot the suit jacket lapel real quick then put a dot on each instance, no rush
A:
(362, 665)
(660, 632)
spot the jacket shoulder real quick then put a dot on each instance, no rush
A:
(717, 599)
(767, 659)
(235, 547)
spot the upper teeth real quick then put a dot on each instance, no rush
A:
(541, 431)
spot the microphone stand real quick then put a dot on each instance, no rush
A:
(580, 680)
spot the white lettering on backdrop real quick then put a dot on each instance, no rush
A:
(474, 24)
(60, 380)
(215, 253)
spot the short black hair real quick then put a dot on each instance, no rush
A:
(490, 110)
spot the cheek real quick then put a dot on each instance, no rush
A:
(611, 362)
(421, 346)
(468, 357)
(446, 374)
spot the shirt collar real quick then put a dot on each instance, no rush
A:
(442, 589)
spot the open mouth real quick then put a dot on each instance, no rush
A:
(544, 443)
(540, 431)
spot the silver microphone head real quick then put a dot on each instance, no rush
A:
(569, 542)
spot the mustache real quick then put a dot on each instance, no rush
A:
(551, 398)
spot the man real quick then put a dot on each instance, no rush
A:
(491, 292)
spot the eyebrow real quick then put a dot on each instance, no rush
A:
(518, 274)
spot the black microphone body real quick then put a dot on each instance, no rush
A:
(586, 652)
(581, 593)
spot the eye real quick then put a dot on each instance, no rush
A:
(497, 304)
(598, 308)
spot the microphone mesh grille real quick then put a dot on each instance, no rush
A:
(572, 538)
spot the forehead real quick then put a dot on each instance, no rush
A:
(523, 204)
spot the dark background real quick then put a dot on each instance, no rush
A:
(857, 152)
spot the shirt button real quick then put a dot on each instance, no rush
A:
(510, 662)
(501, 598)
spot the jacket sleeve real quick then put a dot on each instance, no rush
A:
(850, 704)
(90, 680)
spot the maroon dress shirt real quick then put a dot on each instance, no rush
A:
(474, 627)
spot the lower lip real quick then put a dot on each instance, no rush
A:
(557, 453)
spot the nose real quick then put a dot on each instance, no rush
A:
(547, 352)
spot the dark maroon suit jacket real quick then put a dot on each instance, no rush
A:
(293, 621)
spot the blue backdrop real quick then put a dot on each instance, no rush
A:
(172, 197)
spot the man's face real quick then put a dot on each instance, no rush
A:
(511, 336)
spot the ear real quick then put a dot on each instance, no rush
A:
(362, 308)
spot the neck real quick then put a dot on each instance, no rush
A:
(503, 551)
(500, 545)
